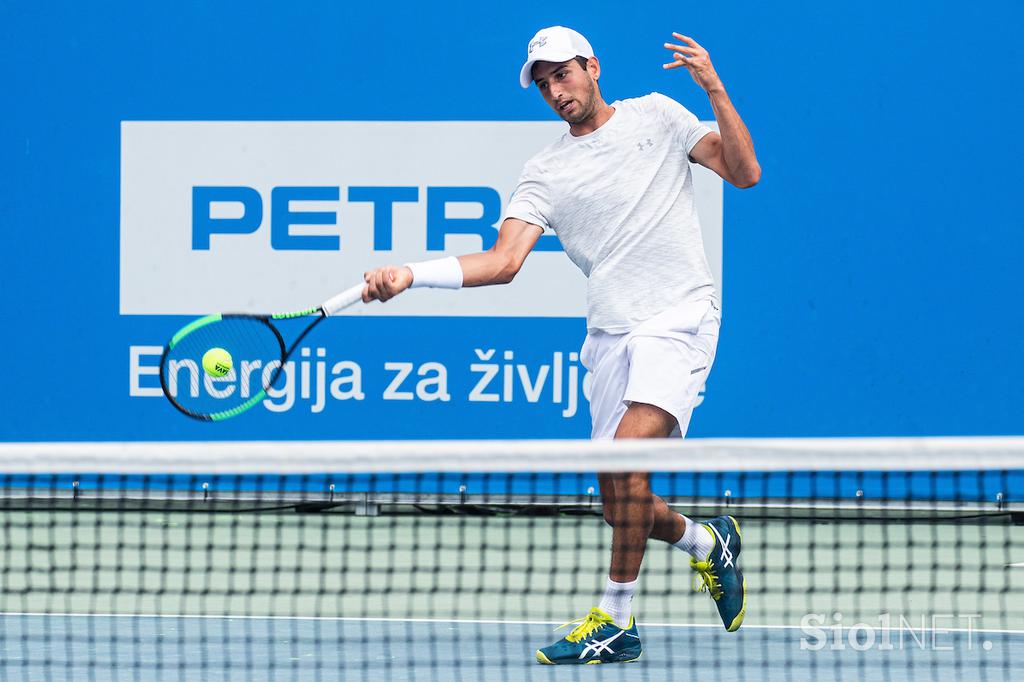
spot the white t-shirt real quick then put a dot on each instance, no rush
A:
(621, 201)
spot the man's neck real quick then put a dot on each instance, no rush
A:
(601, 115)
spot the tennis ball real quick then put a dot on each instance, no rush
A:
(217, 362)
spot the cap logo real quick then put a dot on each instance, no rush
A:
(539, 42)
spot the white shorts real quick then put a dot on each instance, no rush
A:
(663, 362)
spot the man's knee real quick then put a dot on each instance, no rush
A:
(634, 487)
(630, 489)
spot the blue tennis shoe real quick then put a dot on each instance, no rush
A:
(597, 639)
(721, 574)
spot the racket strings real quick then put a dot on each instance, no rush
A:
(256, 353)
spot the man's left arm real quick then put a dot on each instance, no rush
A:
(730, 151)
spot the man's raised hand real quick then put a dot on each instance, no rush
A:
(696, 60)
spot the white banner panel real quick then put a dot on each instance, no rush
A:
(275, 216)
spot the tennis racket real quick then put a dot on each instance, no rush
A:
(258, 355)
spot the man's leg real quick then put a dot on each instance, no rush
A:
(634, 513)
(630, 507)
(666, 525)
(630, 504)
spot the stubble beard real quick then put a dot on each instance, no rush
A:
(585, 109)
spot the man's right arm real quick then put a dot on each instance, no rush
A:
(500, 263)
(497, 265)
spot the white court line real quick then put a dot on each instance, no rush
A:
(456, 621)
(1020, 565)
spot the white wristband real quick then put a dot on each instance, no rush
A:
(442, 273)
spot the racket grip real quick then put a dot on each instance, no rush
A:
(336, 304)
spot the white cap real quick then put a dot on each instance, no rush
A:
(553, 44)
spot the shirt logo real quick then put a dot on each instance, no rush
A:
(645, 145)
(539, 42)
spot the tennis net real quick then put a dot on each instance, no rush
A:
(864, 558)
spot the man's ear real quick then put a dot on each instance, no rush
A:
(594, 67)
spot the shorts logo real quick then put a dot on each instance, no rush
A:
(539, 42)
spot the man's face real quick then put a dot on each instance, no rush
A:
(568, 88)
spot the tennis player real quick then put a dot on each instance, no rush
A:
(618, 191)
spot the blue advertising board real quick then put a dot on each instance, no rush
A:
(871, 281)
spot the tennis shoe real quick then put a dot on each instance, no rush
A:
(720, 573)
(596, 639)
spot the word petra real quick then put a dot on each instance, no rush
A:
(249, 202)
(313, 380)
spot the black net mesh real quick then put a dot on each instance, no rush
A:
(851, 574)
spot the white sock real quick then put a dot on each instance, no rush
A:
(617, 601)
(697, 541)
